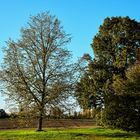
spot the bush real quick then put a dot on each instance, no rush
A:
(122, 114)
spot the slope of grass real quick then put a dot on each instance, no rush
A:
(68, 134)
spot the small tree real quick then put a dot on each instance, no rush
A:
(37, 72)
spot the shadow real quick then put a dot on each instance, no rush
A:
(102, 132)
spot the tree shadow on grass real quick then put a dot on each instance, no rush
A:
(115, 133)
(81, 136)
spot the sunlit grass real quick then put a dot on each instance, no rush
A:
(69, 134)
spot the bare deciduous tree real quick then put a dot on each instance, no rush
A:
(37, 69)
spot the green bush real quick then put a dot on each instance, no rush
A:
(121, 113)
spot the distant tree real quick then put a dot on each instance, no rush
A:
(37, 72)
(3, 114)
(56, 112)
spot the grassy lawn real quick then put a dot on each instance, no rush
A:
(68, 134)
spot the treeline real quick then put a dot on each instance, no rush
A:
(56, 113)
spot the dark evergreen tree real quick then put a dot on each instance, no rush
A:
(3, 114)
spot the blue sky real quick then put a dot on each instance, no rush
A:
(80, 18)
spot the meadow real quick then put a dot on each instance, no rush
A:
(95, 133)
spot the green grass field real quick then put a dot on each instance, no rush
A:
(68, 134)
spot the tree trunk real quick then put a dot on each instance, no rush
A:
(40, 121)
